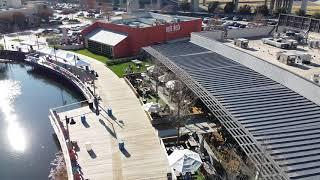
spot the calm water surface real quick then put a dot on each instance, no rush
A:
(26, 143)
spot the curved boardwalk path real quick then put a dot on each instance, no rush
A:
(144, 157)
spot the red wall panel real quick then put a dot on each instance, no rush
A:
(141, 37)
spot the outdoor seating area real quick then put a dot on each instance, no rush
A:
(188, 158)
(75, 67)
(177, 113)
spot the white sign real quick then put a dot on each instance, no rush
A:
(173, 28)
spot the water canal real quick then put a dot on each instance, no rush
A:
(27, 145)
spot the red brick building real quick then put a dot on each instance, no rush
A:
(126, 37)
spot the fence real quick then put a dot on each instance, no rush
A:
(64, 72)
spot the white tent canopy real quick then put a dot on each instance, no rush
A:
(81, 63)
(67, 57)
(33, 43)
(184, 161)
(152, 107)
(47, 51)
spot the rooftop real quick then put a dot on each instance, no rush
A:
(106, 37)
(148, 19)
(268, 53)
(267, 119)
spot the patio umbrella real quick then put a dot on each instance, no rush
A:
(185, 161)
(164, 78)
(150, 69)
(173, 84)
(152, 107)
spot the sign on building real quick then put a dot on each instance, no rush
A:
(173, 28)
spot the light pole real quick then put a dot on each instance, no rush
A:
(37, 36)
(4, 41)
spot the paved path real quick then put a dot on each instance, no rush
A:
(144, 158)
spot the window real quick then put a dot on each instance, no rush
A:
(100, 48)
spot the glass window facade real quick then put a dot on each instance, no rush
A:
(100, 48)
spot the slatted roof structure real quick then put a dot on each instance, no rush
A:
(277, 128)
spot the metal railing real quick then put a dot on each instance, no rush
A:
(66, 73)
(62, 132)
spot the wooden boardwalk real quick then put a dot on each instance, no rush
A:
(143, 157)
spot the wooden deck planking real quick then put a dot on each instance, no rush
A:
(147, 160)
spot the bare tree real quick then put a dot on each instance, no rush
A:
(106, 10)
(183, 99)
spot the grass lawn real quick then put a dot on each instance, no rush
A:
(86, 52)
(119, 69)
(17, 40)
(199, 175)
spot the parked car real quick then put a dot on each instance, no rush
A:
(99, 16)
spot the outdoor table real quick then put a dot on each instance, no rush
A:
(192, 142)
(135, 61)
(209, 168)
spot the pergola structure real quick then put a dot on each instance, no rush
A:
(268, 120)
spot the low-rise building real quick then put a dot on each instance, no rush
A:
(4, 4)
(126, 37)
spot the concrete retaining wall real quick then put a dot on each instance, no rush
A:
(70, 47)
(250, 32)
(12, 55)
(239, 33)
(293, 81)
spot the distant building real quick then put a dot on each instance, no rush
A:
(27, 16)
(126, 37)
(90, 4)
(277, 4)
(4, 4)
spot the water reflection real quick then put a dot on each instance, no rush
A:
(10, 90)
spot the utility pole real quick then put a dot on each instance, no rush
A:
(37, 36)
(55, 54)
(178, 118)
(94, 88)
(4, 41)
(157, 87)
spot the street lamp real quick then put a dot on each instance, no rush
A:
(4, 41)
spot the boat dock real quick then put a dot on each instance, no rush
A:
(143, 156)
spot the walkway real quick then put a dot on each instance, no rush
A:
(144, 157)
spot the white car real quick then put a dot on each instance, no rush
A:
(235, 18)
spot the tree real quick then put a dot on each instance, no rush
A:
(262, 10)
(281, 10)
(106, 10)
(246, 9)
(316, 15)
(185, 6)
(45, 12)
(212, 6)
(229, 7)
(300, 12)
(19, 19)
(258, 18)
